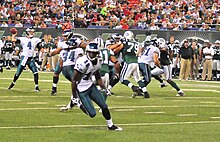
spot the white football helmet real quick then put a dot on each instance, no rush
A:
(129, 35)
(92, 51)
(100, 42)
(67, 33)
(147, 41)
(161, 42)
(30, 32)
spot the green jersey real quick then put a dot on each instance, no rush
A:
(129, 52)
(105, 54)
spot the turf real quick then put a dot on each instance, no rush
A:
(29, 116)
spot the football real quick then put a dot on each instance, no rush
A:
(13, 31)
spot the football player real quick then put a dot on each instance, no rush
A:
(8, 49)
(164, 66)
(216, 60)
(130, 66)
(82, 84)
(68, 56)
(115, 43)
(175, 52)
(147, 55)
(61, 44)
(28, 43)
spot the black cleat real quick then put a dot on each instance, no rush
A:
(11, 86)
(115, 128)
(37, 89)
(146, 95)
(137, 94)
(54, 91)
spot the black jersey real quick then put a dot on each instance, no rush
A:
(217, 53)
(8, 47)
(164, 57)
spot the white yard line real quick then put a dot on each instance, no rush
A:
(131, 124)
(120, 108)
(185, 115)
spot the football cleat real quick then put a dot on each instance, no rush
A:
(136, 94)
(163, 85)
(115, 128)
(11, 86)
(71, 104)
(180, 93)
(146, 95)
(37, 89)
(54, 91)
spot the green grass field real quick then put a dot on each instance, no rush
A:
(29, 116)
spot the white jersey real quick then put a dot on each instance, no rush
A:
(62, 44)
(69, 56)
(147, 55)
(28, 45)
(85, 66)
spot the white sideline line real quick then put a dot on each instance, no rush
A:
(134, 124)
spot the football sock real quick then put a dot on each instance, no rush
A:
(106, 113)
(158, 78)
(15, 78)
(36, 78)
(174, 85)
(109, 122)
(55, 80)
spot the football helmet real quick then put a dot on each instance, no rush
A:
(147, 41)
(129, 35)
(100, 42)
(30, 32)
(71, 43)
(161, 42)
(92, 51)
(116, 37)
(67, 33)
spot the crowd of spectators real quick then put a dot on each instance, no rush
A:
(203, 15)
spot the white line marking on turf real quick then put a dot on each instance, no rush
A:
(215, 117)
(207, 102)
(201, 90)
(122, 107)
(37, 103)
(159, 112)
(124, 110)
(183, 115)
(10, 100)
(134, 124)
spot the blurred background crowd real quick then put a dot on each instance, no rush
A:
(202, 15)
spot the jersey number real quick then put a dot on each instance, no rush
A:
(29, 45)
(147, 51)
(70, 56)
(105, 57)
